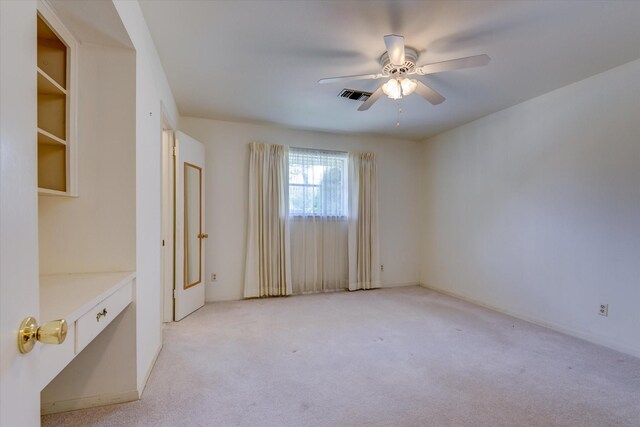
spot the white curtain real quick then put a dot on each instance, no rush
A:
(318, 220)
(364, 259)
(267, 269)
(319, 261)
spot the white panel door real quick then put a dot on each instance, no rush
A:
(19, 288)
(190, 234)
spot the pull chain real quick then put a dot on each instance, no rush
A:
(399, 111)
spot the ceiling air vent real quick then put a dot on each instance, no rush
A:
(356, 95)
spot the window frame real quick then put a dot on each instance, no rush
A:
(336, 154)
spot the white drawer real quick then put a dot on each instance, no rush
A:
(95, 320)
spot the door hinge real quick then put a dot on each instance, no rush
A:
(175, 151)
(162, 242)
(175, 294)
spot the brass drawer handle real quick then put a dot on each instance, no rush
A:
(203, 236)
(101, 314)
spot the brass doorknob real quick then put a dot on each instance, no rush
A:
(203, 236)
(53, 332)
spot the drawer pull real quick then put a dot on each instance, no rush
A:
(101, 314)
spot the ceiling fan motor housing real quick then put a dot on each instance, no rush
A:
(410, 59)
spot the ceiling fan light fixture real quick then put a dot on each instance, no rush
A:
(398, 62)
(408, 86)
(392, 89)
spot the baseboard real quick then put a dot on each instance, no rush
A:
(592, 338)
(382, 286)
(142, 386)
(398, 285)
(225, 298)
(88, 402)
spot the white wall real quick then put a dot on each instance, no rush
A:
(535, 210)
(151, 68)
(153, 97)
(227, 163)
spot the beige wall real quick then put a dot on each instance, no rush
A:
(227, 163)
(535, 210)
(96, 232)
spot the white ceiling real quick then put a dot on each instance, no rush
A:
(260, 60)
(93, 22)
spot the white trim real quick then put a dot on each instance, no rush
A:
(397, 285)
(88, 402)
(592, 338)
(168, 208)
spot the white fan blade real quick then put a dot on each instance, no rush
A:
(347, 78)
(395, 48)
(373, 98)
(429, 94)
(453, 64)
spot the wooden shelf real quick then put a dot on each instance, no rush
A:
(49, 192)
(48, 86)
(47, 138)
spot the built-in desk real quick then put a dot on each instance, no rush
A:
(88, 302)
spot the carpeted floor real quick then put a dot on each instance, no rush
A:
(390, 357)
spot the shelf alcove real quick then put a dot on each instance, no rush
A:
(87, 242)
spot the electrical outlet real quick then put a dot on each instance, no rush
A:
(381, 267)
(604, 310)
(214, 277)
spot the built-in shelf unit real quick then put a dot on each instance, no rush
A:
(56, 107)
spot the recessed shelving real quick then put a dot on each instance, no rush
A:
(52, 53)
(47, 138)
(52, 167)
(52, 114)
(48, 86)
(54, 127)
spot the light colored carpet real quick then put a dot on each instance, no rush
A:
(390, 357)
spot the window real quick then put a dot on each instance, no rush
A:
(317, 183)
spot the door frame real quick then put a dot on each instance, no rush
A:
(168, 221)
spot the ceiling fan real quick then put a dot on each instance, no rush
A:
(397, 63)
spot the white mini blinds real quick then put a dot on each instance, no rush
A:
(317, 183)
